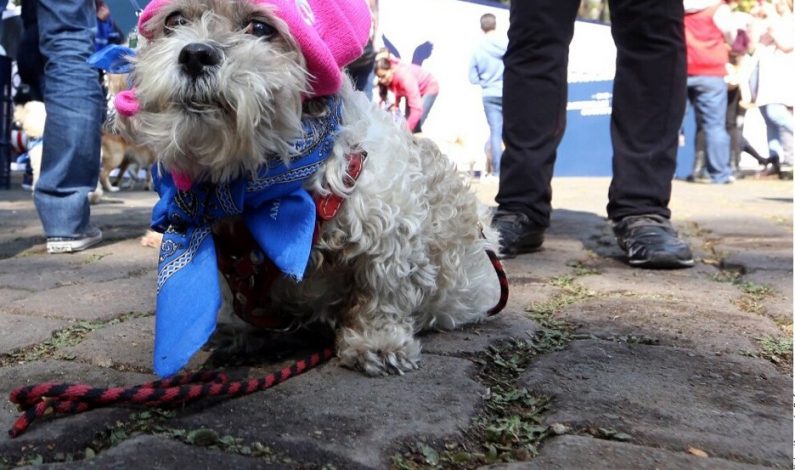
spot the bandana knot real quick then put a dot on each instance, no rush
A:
(276, 209)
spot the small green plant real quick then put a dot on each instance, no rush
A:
(510, 427)
(776, 349)
(571, 293)
(755, 290)
(726, 275)
(753, 293)
(582, 269)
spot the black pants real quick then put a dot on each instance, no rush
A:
(649, 95)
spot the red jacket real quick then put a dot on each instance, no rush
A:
(414, 83)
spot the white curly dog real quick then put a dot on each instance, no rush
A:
(222, 87)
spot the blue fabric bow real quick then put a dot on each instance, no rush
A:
(113, 59)
(276, 209)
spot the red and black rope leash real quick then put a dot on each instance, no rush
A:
(65, 398)
(47, 398)
(503, 278)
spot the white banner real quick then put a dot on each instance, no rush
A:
(457, 121)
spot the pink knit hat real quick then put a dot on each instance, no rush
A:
(330, 33)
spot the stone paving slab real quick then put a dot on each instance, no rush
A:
(342, 412)
(20, 331)
(475, 338)
(578, 452)
(91, 301)
(771, 256)
(690, 284)
(108, 262)
(124, 345)
(20, 223)
(149, 452)
(735, 408)
(10, 294)
(769, 226)
(548, 262)
(716, 330)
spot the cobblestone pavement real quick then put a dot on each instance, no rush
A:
(592, 365)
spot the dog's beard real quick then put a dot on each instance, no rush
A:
(227, 121)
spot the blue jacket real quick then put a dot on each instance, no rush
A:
(485, 67)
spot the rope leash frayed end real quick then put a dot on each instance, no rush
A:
(64, 398)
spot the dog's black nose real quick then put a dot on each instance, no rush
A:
(196, 56)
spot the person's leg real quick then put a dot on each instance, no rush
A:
(427, 104)
(534, 105)
(773, 142)
(732, 112)
(746, 147)
(648, 106)
(368, 85)
(779, 121)
(710, 103)
(700, 157)
(492, 105)
(75, 109)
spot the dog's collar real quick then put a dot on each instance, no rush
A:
(277, 211)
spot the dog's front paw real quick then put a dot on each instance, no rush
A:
(390, 351)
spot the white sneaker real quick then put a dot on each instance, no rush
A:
(72, 244)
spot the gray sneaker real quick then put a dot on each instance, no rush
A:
(72, 244)
(651, 242)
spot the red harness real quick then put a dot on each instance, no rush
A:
(250, 274)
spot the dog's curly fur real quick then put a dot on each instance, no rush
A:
(405, 253)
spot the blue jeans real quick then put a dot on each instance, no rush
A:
(75, 110)
(427, 104)
(779, 122)
(708, 96)
(492, 105)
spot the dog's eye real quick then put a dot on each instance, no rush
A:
(174, 21)
(260, 29)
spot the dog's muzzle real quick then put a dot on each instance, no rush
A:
(197, 57)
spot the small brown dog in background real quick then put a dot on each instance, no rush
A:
(117, 152)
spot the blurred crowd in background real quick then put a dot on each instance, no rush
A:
(758, 39)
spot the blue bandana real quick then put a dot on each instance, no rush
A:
(277, 210)
(113, 59)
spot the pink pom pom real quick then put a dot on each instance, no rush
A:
(181, 181)
(126, 103)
